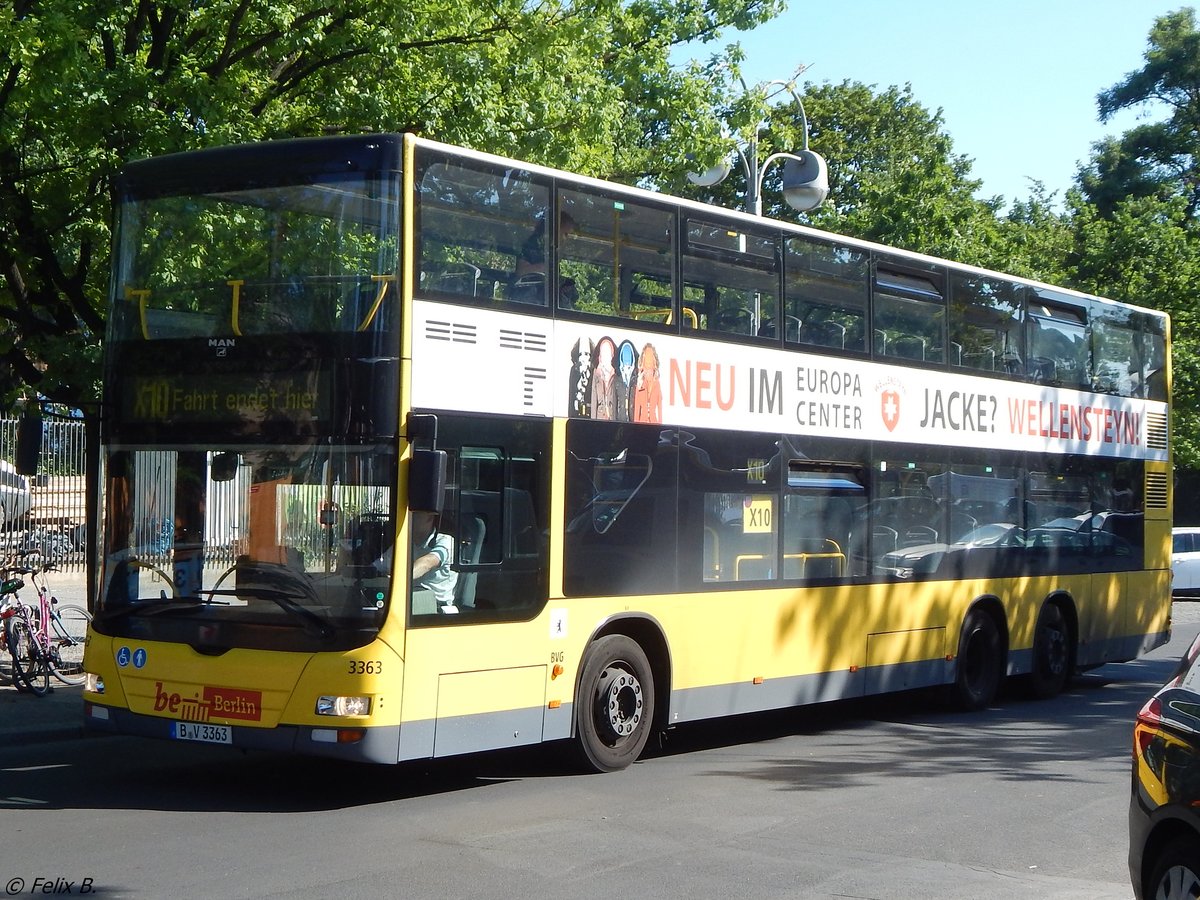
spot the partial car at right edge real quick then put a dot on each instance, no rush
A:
(1185, 562)
(1164, 808)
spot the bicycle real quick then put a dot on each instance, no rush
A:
(44, 640)
(8, 608)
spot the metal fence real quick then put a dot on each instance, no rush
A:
(45, 513)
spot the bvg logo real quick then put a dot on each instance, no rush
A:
(214, 702)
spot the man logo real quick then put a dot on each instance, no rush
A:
(222, 345)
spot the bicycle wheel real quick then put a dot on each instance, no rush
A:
(30, 667)
(68, 631)
(8, 676)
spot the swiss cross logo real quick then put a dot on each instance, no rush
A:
(889, 408)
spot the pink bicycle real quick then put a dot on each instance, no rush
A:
(43, 640)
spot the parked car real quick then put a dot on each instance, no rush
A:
(1185, 562)
(1164, 809)
(16, 499)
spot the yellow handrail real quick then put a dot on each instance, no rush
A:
(141, 295)
(383, 281)
(234, 310)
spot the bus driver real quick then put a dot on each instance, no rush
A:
(433, 552)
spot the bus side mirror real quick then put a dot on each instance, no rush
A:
(427, 480)
(29, 443)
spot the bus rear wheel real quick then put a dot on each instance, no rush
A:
(615, 708)
(980, 662)
(1051, 654)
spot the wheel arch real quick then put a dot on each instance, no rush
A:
(651, 637)
(1163, 833)
(991, 605)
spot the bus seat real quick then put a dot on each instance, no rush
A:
(470, 545)
(909, 346)
(530, 288)
(791, 328)
(917, 535)
(884, 539)
(1042, 369)
(367, 541)
(461, 279)
(825, 334)
(736, 320)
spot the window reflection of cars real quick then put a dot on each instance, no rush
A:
(997, 540)
(927, 559)
(16, 499)
(994, 534)
(1164, 804)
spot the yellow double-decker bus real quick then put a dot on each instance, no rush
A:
(412, 451)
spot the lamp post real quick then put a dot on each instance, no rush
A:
(805, 174)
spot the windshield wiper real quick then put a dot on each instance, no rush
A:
(150, 606)
(284, 601)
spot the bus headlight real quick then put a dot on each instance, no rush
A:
(93, 683)
(343, 706)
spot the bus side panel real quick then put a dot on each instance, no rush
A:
(508, 696)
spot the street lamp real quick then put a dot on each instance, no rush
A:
(805, 174)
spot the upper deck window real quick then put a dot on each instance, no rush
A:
(826, 290)
(731, 280)
(1059, 352)
(616, 256)
(483, 232)
(252, 258)
(910, 312)
(1128, 352)
(985, 324)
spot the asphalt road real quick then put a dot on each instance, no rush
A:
(893, 798)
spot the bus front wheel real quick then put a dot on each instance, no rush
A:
(615, 708)
(980, 662)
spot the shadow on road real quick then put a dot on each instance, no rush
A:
(851, 742)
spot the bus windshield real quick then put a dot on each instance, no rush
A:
(253, 368)
(272, 546)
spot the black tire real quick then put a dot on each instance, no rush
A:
(1051, 654)
(68, 633)
(30, 668)
(980, 663)
(10, 674)
(1175, 874)
(614, 711)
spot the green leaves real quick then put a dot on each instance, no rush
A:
(85, 87)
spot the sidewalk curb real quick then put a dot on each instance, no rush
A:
(28, 719)
(45, 735)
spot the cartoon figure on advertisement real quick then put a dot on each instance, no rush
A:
(604, 377)
(647, 396)
(626, 380)
(581, 373)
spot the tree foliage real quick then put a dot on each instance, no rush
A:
(86, 85)
(1159, 157)
(1135, 224)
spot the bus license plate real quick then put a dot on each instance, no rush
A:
(196, 731)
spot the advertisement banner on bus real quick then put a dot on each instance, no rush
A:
(535, 366)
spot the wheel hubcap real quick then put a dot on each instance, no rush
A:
(619, 703)
(1054, 652)
(1178, 883)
